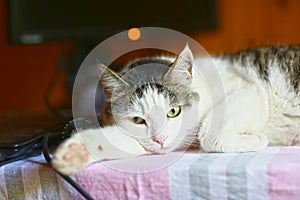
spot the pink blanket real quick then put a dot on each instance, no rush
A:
(273, 173)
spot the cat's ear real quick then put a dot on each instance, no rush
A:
(109, 79)
(181, 69)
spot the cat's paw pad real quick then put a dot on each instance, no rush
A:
(70, 157)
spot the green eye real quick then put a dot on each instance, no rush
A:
(174, 112)
(137, 120)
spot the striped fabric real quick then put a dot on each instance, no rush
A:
(273, 173)
(33, 179)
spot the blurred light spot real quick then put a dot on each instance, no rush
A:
(134, 34)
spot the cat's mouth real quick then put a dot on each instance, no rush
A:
(156, 144)
(156, 148)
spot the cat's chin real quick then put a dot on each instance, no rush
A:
(155, 148)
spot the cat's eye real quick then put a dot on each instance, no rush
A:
(174, 112)
(137, 120)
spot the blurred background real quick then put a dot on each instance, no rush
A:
(42, 43)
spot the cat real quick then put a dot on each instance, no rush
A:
(163, 104)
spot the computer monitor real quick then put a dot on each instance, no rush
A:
(39, 21)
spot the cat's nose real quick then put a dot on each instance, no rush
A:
(159, 141)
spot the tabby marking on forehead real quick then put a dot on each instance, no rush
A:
(151, 97)
(140, 90)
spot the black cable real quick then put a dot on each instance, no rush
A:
(67, 178)
(61, 65)
(48, 93)
(35, 151)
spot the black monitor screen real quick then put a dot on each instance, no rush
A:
(37, 21)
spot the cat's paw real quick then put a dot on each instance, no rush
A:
(242, 143)
(71, 156)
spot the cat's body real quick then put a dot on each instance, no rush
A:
(262, 101)
(164, 108)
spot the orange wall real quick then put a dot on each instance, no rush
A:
(27, 70)
(243, 24)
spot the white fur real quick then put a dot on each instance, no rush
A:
(95, 145)
(254, 116)
(153, 107)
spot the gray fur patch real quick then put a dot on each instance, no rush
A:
(288, 58)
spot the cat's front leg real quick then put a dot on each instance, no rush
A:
(241, 142)
(240, 129)
(231, 139)
(92, 145)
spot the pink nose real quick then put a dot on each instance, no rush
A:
(159, 141)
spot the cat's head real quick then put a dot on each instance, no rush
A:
(153, 102)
